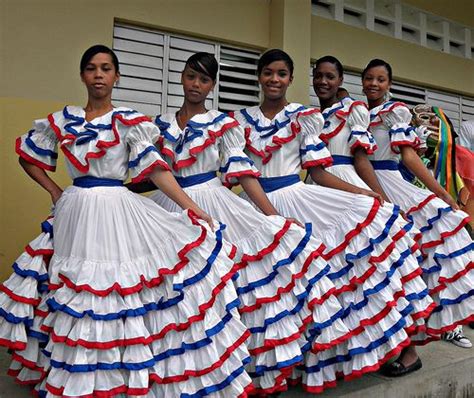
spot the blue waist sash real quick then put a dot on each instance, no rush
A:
(195, 179)
(393, 165)
(385, 165)
(90, 182)
(340, 159)
(270, 184)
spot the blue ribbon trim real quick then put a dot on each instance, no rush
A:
(134, 163)
(235, 159)
(456, 253)
(273, 128)
(220, 386)
(318, 147)
(356, 351)
(374, 112)
(284, 262)
(47, 228)
(29, 273)
(90, 132)
(457, 300)
(191, 131)
(336, 107)
(10, 318)
(261, 369)
(36, 149)
(203, 273)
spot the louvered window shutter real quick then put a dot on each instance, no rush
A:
(151, 66)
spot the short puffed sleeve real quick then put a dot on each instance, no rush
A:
(358, 121)
(39, 146)
(234, 162)
(144, 156)
(398, 120)
(313, 152)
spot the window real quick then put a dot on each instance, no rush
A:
(151, 64)
(401, 21)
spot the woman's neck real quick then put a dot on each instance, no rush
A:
(374, 103)
(97, 107)
(324, 104)
(187, 111)
(270, 108)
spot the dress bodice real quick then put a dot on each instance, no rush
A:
(286, 144)
(390, 126)
(210, 142)
(346, 126)
(105, 147)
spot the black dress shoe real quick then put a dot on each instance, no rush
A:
(397, 369)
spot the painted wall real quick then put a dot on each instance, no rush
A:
(461, 11)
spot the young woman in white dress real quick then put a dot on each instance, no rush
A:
(447, 250)
(366, 244)
(136, 297)
(287, 302)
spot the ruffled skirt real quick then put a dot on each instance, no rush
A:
(136, 299)
(287, 301)
(377, 278)
(447, 256)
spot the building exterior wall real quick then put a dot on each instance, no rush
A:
(410, 62)
(41, 43)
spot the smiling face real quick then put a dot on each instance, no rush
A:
(196, 85)
(275, 79)
(326, 81)
(99, 76)
(375, 84)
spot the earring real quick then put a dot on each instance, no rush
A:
(388, 96)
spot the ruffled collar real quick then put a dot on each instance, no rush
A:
(266, 127)
(340, 105)
(263, 136)
(378, 111)
(82, 140)
(84, 131)
(201, 131)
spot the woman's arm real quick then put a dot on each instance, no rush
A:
(165, 181)
(326, 179)
(366, 172)
(43, 179)
(255, 192)
(415, 165)
(141, 187)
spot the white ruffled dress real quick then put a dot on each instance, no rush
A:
(345, 128)
(287, 302)
(135, 301)
(446, 247)
(361, 239)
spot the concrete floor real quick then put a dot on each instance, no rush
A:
(448, 372)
